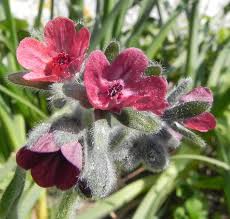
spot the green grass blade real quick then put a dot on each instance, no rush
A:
(107, 23)
(163, 186)
(119, 22)
(205, 159)
(22, 100)
(117, 200)
(218, 65)
(12, 29)
(39, 15)
(165, 29)
(146, 8)
(191, 63)
(9, 200)
(29, 200)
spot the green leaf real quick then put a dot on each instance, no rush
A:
(193, 42)
(9, 200)
(154, 69)
(205, 159)
(142, 121)
(17, 78)
(163, 186)
(218, 66)
(165, 29)
(29, 200)
(22, 100)
(146, 7)
(112, 51)
(66, 205)
(189, 135)
(125, 195)
(107, 23)
(186, 110)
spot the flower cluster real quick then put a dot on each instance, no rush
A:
(122, 113)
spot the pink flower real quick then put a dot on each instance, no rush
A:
(52, 165)
(205, 121)
(123, 83)
(59, 56)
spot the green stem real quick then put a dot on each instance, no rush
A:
(66, 205)
(38, 18)
(209, 160)
(52, 10)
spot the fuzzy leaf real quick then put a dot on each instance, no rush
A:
(186, 110)
(9, 200)
(17, 78)
(112, 50)
(189, 135)
(181, 89)
(154, 69)
(142, 121)
(154, 154)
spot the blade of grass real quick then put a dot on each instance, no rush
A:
(29, 200)
(191, 63)
(165, 29)
(146, 8)
(161, 189)
(107, 23)
(12, 29)
(23, 101)
(120, 198)
(201, 158)
(39, 15)
(9, 200)
(218, 65)
(119, 22)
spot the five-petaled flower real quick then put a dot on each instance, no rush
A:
(205, 121)
(50, 164)
(123, 83)
(61, 54)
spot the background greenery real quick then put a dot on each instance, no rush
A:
(197, 183)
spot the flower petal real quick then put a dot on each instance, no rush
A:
(129, 66)
(59, 34)
(73, 153)
(39, 77)
(198, 94)
(66, 175)
(33, 55)
(80, 43)
(203, 122)
(150, 93)
(44, 173)
(27, 159)
(97, 63)
(45, 144)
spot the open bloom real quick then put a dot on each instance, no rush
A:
(50, 164)
(123, 83)
(61, 54)
(205, 121)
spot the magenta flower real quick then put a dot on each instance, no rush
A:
(52, 165)
(59, 56)
(123, 83)
(205, 121)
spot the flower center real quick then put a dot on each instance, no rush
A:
(59, 66)
(62, 59)
(114, 90)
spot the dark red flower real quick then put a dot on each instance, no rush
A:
(123, 83)
(205, 121)
(59, 56)
(51, 165)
